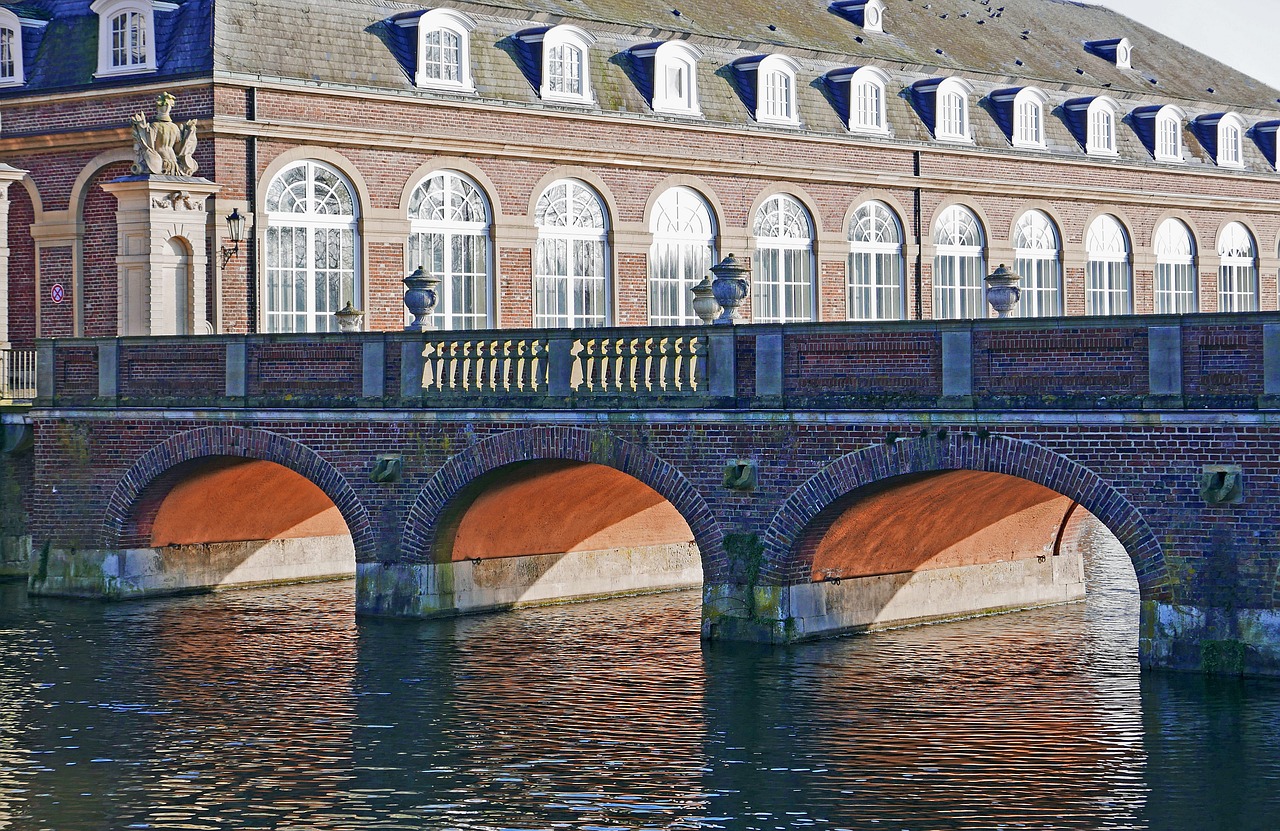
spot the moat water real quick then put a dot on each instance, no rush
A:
(277, 709)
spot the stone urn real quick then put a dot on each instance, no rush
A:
(349, 318)
(704, 300)
(730, 288)
(420, 296)
(1003, 291)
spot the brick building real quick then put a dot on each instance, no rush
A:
(581, 162)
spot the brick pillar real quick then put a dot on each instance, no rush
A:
(8, 175)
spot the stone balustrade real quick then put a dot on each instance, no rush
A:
(1218, 361)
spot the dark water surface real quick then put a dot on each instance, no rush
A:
(275, 709)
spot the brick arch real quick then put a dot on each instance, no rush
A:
(131, 490)
(572, 444)
(995, 454)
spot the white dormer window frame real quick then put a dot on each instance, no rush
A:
(951, 111)
(675, 77)
(12, 72)
(868, 112)
(873, 16)
(1028, 118)
(566, 64)
(1167, 138)
(1100, 127)
(1124, 54)
(1231, 131)
(776, 91)
(444, 49)
(127, 35)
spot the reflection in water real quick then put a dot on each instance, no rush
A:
(273, 709)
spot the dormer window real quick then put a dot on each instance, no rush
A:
(866, 94)
(127, 35)
(769, 84)
(673, 70)
(1265, 134)
(444, 49)
(1117, 50)
(1102, 128)
(1021, 114)
(1169, 134)
(11, 71)
(869, 14)
(1231, 141)
(947, 99)
(563, 62)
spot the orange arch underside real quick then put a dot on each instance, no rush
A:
(556, 507)
(931, 521)
(230, 500)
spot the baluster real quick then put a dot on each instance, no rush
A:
(605, 370)
(636, 363)
(484, 366)
(671, 363)
(430, 373)
(582, 367)
(525, 368)
(539, 355)
(457, 371)
(652, 377)
(495, 365)
(698, 363)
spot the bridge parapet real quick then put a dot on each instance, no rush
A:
(1111, 363)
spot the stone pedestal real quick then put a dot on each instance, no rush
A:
(8, 175)
(161, 263)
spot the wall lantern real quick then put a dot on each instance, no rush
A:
(235, 232)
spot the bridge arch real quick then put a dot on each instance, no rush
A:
(135, 494)
(429, 517)
(786, 564)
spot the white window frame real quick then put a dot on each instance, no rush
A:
(576, 315)
(1094, 144)
(876, 278)
(873, 16)
(453, 231)
(443, 21)
(1237, 271)
(964, 297)
(681, 56)
(776, 81)
(1124, 54)
(951, 110)
(1231, 131)
(1037, 253)
(684, 232)
(107, 11)
(1175, 275)
(564, 37)
(868, 112)
(1108, 271)
(309, 221)
(783, 286)
(10, 22)
(1028, 118)
(1167, 138)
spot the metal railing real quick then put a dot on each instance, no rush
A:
(17, 374)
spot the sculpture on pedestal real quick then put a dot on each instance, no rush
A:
(163, 148)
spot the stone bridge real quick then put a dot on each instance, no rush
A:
(815, 479)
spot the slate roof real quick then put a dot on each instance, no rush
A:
(994, 44)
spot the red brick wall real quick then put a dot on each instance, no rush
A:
(57, 320)
(98, 257)
(22, 273)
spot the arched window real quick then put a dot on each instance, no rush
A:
(867, 108)
(1108, 279)
(564, 65)
(1037, 258)
(570, 279)
(958, 265)
(1028, 123)
(1231, 141)
(126, 32)
(1169, 134)
(1238, 270)
(784, 262)
(776, 90)
(684, 237)
(444, 49)
(1101, 127)
(675, 78)
(876, 284)
(312, 262)
(11, 70)
(449, 224)
(1175, 269)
